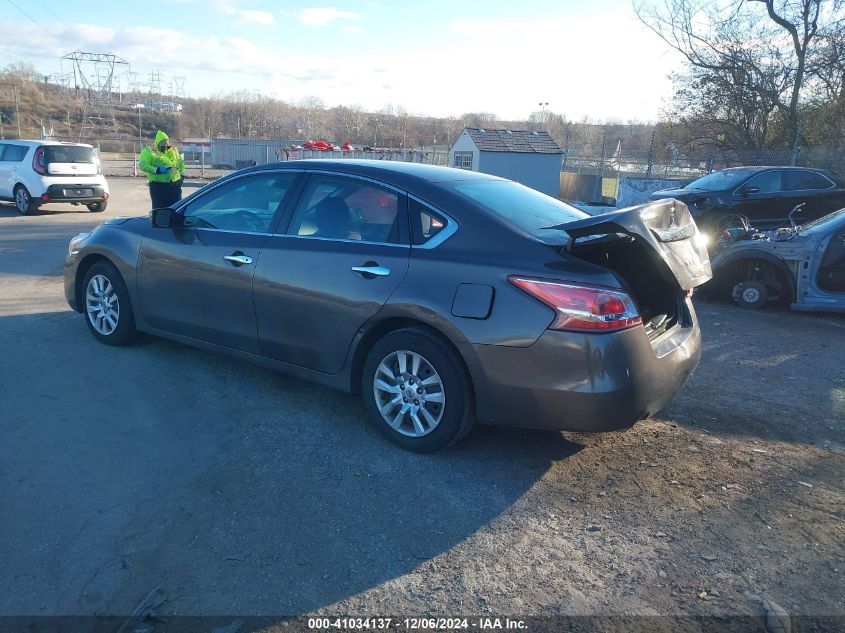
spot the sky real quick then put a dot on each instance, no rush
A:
(433, 58)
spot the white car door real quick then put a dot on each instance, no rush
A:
(5, 174)
(12, 168)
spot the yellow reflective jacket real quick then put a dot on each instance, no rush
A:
(151, 159)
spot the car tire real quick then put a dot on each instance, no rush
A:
(423, 403)
(106, 306)
(98, 207)
(23, 201)
(751, 294)
(710, 221)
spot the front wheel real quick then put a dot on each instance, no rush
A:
(97, 207)
(750, 294)
(23, 201)
(107, 307)
(416, 391)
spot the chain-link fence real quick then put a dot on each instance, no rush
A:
(212, 159)
(683, 166)
(599, 156)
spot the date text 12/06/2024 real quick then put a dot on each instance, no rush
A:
(415, 624)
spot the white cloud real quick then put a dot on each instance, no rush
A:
(623, 75)
(90, 33)
(247, 16)
(256, 17)
(321, 16)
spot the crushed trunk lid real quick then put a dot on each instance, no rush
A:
(666, 226)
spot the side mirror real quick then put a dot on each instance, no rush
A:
(162, 218)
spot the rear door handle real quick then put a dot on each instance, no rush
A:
(238, 260)
(375, 271)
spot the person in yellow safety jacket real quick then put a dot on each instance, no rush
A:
(165, 169)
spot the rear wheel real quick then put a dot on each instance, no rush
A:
(107, 307)
(23, 201)
(97, 207)
(416, 391)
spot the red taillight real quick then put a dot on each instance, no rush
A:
(38, 162)
(45, 197)
(582, 308)
(105, 196)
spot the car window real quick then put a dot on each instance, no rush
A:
(767, 182)
(246, 204)
(425, 223)
(14, 153)
(68, 154)
(340, 208)
(719, 180)
(805, 180)
(521, 207)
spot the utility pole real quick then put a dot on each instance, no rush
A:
(543, 113)
(17, 110)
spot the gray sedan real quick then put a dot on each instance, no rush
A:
(443, 296)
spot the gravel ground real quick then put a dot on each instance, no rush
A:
(239, 491)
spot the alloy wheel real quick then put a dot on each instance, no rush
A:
(22, 200)
(102, 304)
(409, 393)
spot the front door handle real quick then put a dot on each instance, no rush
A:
(238, 260)
(371, 271)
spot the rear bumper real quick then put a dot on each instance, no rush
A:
(583, 382)
(71, 193)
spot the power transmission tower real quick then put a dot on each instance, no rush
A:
(177, 87)
(155, 82)
(133, 85)
(95, 74)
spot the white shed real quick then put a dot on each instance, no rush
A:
(532, 158)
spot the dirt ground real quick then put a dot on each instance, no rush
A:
(239, 491)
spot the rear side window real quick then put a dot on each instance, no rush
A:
(521, 207)
(68, 154)
(804, 180)
(14, 153)
(425, 223)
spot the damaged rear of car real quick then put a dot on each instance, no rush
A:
(623, 337)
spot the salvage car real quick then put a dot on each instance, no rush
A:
(442, 296)
(802, 265)
(765, 195)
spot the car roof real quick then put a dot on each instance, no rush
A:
(759, 168)
(30, 142)
(395, 172)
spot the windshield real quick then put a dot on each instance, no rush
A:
(521, 207)
(68, 154)
(822, 224)
(719, 180)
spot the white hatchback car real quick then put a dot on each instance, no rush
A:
(33, 173)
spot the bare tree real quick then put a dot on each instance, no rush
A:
(746, 67)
